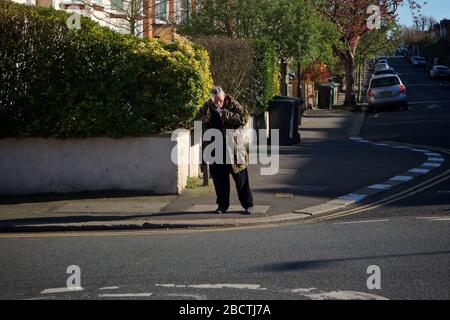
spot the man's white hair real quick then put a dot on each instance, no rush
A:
(217, 91)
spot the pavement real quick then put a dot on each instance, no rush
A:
(317, 177)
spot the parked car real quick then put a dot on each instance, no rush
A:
(440, 72)
(383, 60)
(380, 66)
(419, 62)
(386, 91)
(379, 72)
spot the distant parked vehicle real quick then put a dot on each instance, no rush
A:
(380, 72)
(419, 62)
(380, 66)
(440, 72)
(386, 91)
(383, 60)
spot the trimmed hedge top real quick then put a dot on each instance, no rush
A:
(63, 83)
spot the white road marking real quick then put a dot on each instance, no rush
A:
(442, 218)
(401, 147)
(431, 154)
(125, 295)
(61, 290)
(436, 159)
(380, 186)
(109, 288)
(363, 221)
(228, 286)
(354, 197)
(344, 295)
(402, 178)
(214, 286)
(190, 296)
(434, 107)
(434, 165)
(420, 150)
(305, 290)
(421, 171)
(444, 192)
(381, 144)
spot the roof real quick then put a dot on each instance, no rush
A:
(381, 76)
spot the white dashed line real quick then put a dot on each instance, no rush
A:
(380, 186)
(125, 295)
(434, 165)
(61, 290)
(354, 197)
(436, 159)
(402, 178)
(421, 171)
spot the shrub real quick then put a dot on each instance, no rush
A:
(246, 69)
(66, 83)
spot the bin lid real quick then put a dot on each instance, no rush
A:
(295, 99)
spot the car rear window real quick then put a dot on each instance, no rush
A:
(381, 72)
(385, 82)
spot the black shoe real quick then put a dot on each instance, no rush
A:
(220, 210)
(250, 211)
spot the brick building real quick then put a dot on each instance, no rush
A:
(156, 18)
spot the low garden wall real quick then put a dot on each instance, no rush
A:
(36, 165)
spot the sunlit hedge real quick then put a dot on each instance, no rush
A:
(63, 83)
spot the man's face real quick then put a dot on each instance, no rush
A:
(218, 100)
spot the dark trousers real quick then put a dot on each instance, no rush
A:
(220, 174)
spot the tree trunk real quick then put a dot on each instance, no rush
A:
(299, 80)
(360, 81)
(284, 88)
(349, 79)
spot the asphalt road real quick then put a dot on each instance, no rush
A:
(409, 240)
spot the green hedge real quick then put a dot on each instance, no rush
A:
(246, 69)
(63, 83)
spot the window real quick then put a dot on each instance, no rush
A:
(117, 4)
(387, 71)
(385, 82)
(161, 10)
(182, 10)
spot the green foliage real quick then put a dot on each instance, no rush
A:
(63, 83)
(294, 27)
(268, 76)
(246, 69)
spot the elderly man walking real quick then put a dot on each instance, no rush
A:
(225, 114)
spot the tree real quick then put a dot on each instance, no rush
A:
(351, 18)
(293, 26)
(127, 15)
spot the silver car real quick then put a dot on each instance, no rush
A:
(386, 91)
(379, 72)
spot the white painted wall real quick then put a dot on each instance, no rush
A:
(35, 165)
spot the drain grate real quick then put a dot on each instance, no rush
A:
(284, 195)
